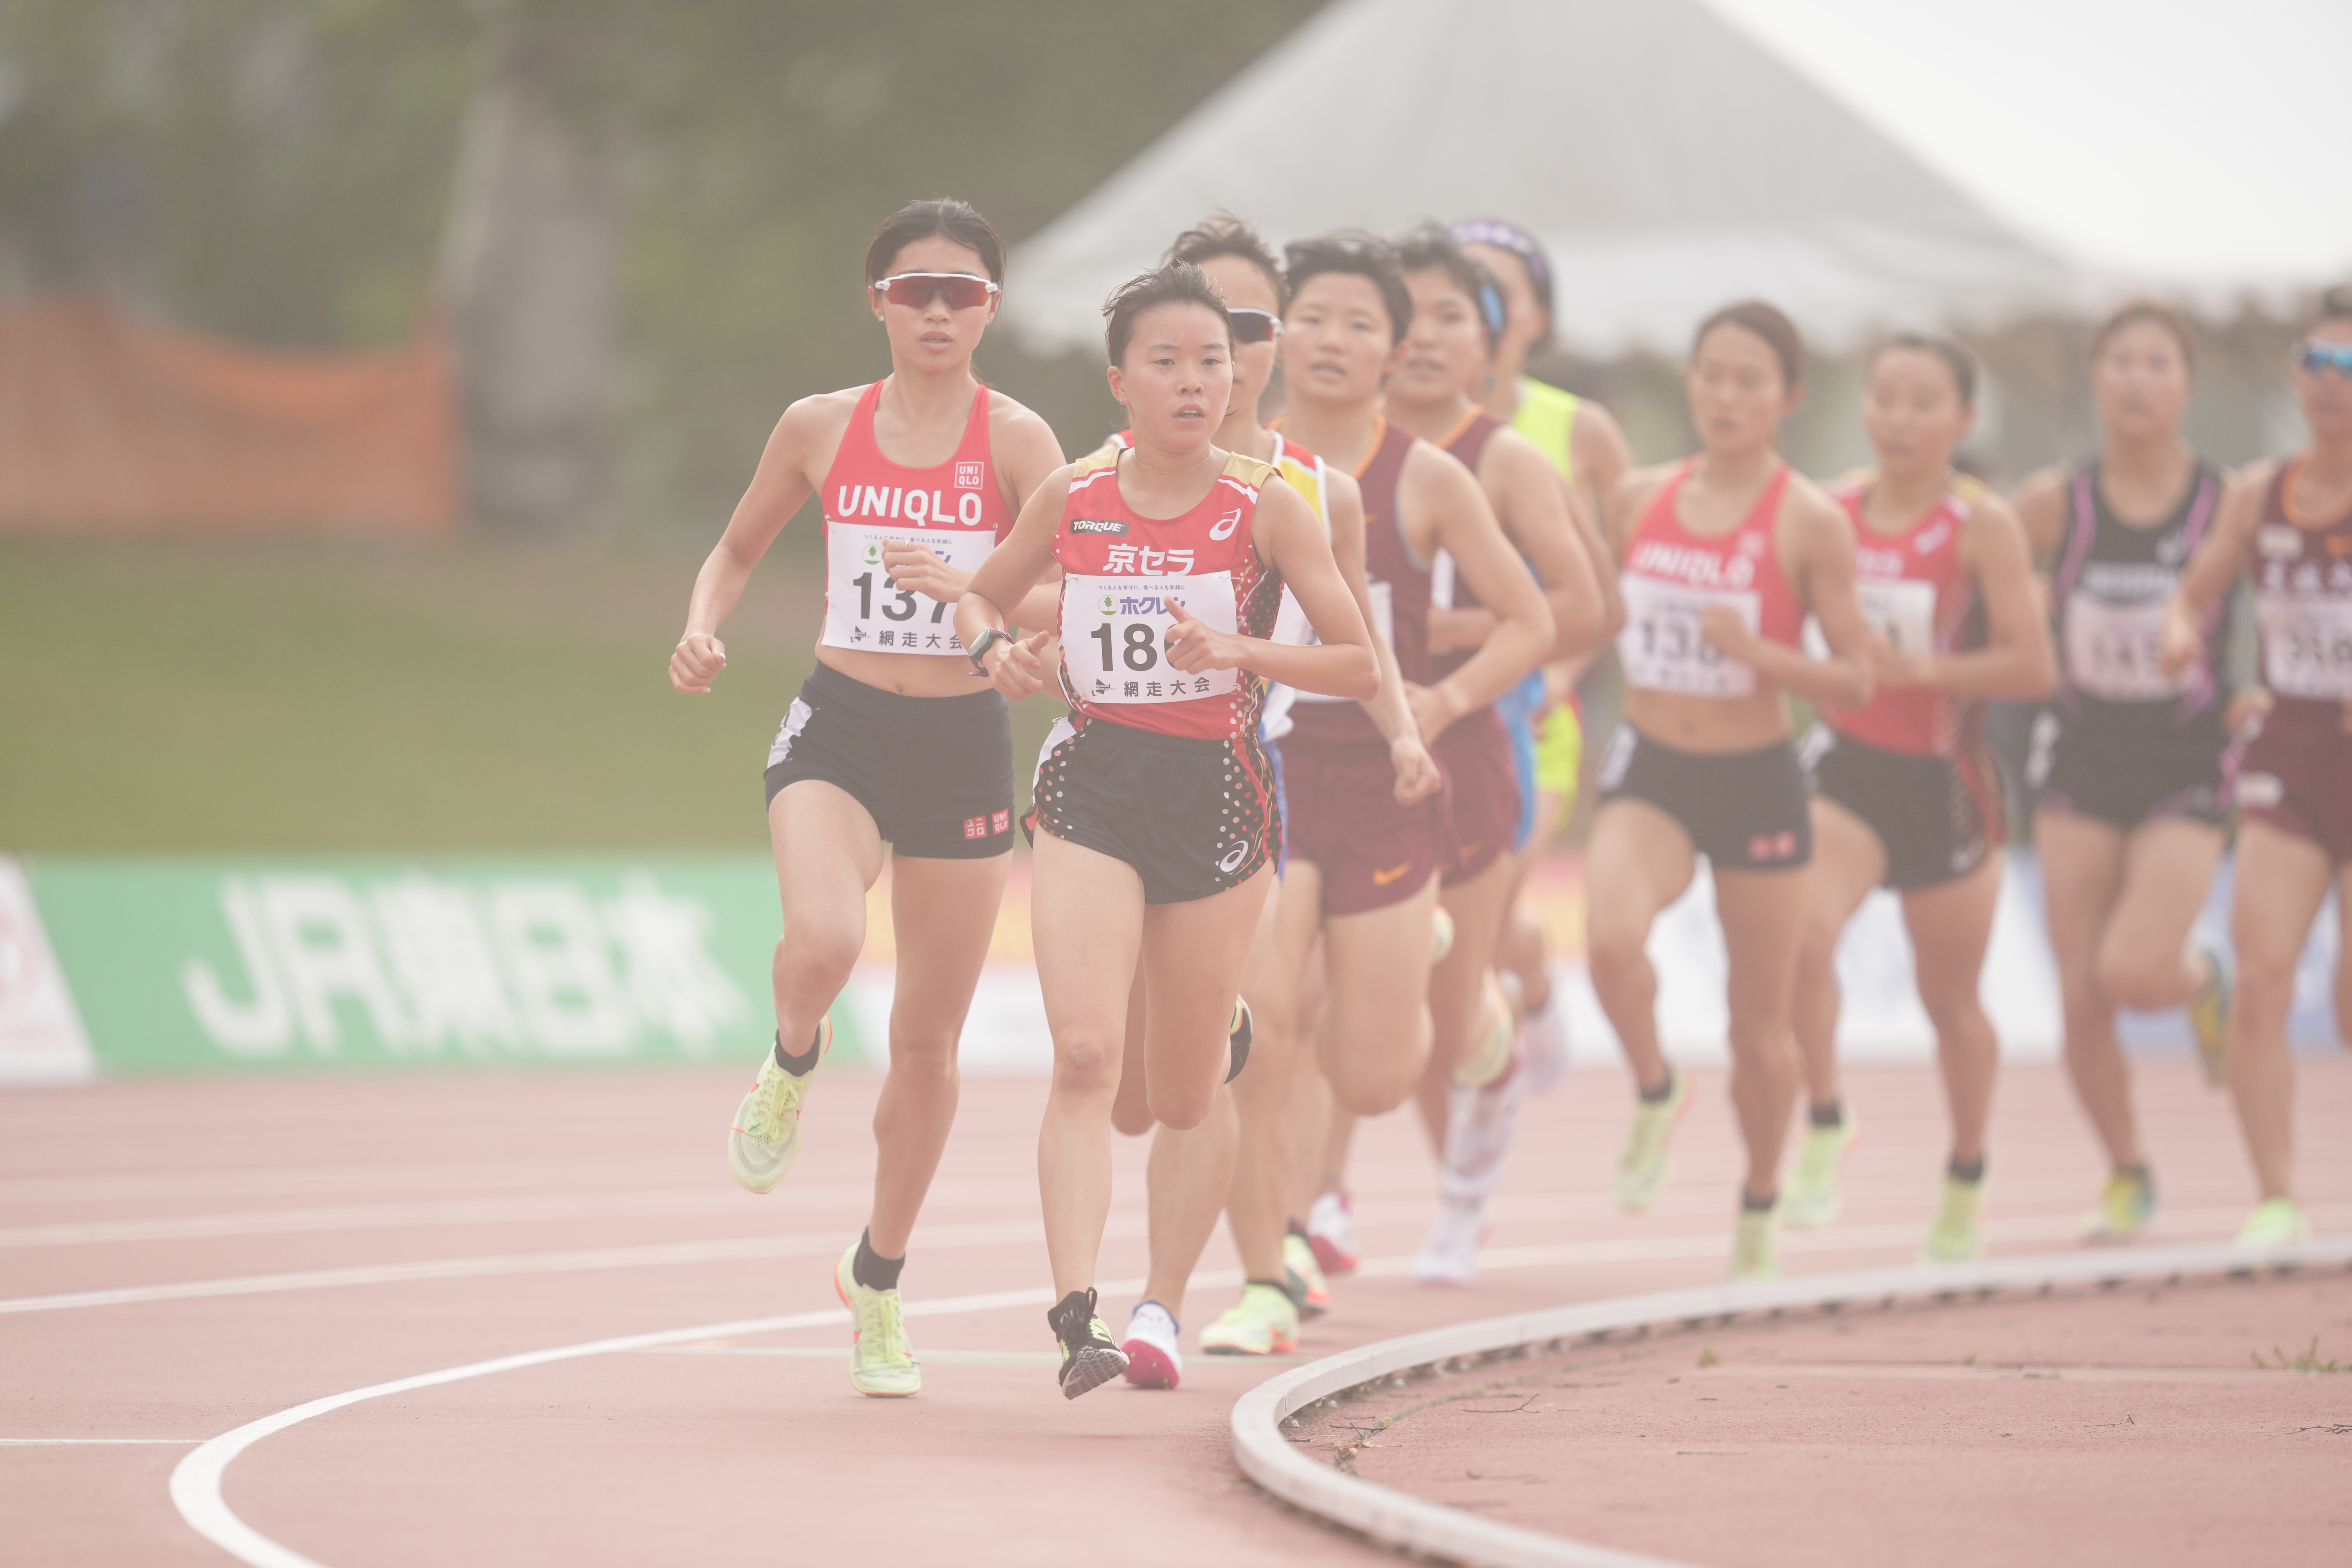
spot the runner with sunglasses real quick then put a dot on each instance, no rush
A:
(2290, 524)
(1906, 795)
(1469, 1097)
(1367, 847)
(2132, 768)
(1721, 557)
(1236, 1162)
(1585, 447)
(917, 476)
(1156, 824)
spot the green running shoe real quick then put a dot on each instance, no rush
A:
(1812, 1200)
(1957, 1236)
(1090, 1357)
(766, 1137)
(881, 1359)
(1265, 1321)
(1756, 1246)
(2275, 1222)
(1641, 1168)
(2125, 1205)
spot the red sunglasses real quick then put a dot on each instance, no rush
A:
(963, 291)
(1254, 326)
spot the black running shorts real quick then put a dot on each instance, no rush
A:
(1194, 817)
(934, 772)
(1938, 817)
(1745, 811)
(2080, 769)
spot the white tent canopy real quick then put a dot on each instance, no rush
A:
(1666, 162)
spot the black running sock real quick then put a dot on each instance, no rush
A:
(1757, 1205)
(2141, 1172)
(873, 1270)
(1297, 1230)
(1070, 1316)
(805, 1063)
(1830, 1115)
(1661, 1094)
(1967, 1172)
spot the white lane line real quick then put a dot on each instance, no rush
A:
(1633, 1249)
(704, 1199)
(96, 1442)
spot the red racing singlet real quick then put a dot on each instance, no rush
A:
(2303, 598)
(1917, 596)
(1121, 571)
(1671, 574)
(957, 510)
(1399, 588)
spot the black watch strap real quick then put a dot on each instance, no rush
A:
(978, 652)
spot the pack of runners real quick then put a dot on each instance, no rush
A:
(1320, 674)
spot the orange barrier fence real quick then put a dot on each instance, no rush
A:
(112, 425)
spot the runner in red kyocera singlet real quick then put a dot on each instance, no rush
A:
(1905, 795)
(919, 476)
(2290, 524)
(1722, 555)
(1156, 822)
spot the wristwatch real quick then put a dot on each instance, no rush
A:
(978, 651)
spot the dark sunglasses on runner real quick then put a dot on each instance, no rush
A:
(2314, 356)
(963, 291)
(1254, 326)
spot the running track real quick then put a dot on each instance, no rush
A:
(179, 1258)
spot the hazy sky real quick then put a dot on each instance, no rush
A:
(2199, 141)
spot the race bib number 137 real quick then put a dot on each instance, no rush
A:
(1663, 649)
(1115, 636)
(866, 610)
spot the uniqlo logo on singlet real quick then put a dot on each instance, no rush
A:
(968, 476)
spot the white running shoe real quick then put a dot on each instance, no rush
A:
(1450, 1256)
(1154, 1359)
(1543, 1037)
(1331, 1232)
(1478, 1126)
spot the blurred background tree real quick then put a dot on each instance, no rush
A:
(646, 216)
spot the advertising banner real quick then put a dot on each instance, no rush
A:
(192, 966)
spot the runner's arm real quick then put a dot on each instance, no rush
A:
(779, 488)
(1816, 548)
(2018, 663)
(1008, 574)
(1027, 453)
(1466, 530)
(2213, 571)
(1542, 522)
(1600, 456)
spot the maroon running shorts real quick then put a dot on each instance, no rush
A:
(1341, 813)
(2297, 776)
(1483, 792)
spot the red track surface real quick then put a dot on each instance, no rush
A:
(527, 1212)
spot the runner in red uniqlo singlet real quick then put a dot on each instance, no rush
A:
(919, 476)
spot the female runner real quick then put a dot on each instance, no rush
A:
(1237, 1161)
(1906, 791)
(919, 476)
(1721, 556)
(2132, 768)
(1469, 1097)
(1159, 826)
(1585, 447)
(2291, 524)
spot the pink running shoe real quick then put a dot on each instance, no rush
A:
(1153, 1358)
(1331, 1231)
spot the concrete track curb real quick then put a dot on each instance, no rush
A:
(1432, 1530)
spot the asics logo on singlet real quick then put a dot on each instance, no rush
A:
(1929, 540)
(906, 504)
(1098, 525)
(1230, 860)
(1683, 562)
(1227, 524)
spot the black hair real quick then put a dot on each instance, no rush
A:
(2172, 319)
(1428, 248)
(1957, 360)
(1222, 234)
(943, 216)
(2335, 305)
(1768, 321)
(1362, 255)
(1177, 283)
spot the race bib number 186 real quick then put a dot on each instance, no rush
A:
(1115, 636)
(865, 609)
(2307, 646)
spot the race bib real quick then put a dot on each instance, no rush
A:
(1384, 598)
(2307, 646)
(1115, 636)
(865, 609)
(1900, 612)
(1662, 650)
(2111, 650)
